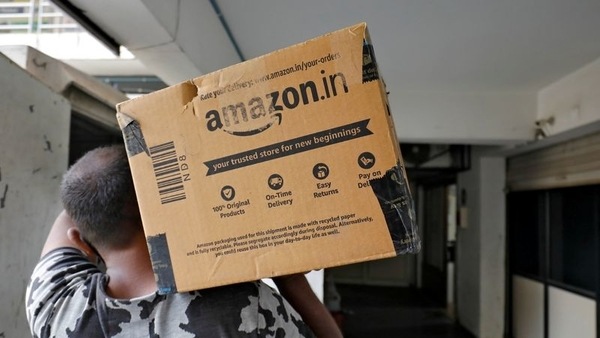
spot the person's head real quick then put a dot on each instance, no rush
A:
(97, 192)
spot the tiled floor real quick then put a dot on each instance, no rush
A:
(384, 312)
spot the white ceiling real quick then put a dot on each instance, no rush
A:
(433, 45)
(441, 44)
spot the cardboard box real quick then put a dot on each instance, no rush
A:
(281, 164)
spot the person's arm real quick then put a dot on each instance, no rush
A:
(57, 237)
(64, 234)
(296, 290)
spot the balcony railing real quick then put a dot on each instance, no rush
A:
(34, 16)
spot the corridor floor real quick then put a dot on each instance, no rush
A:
(387, 312)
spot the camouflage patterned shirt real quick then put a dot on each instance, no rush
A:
(66, 298)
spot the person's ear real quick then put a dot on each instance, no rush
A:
(75, 236)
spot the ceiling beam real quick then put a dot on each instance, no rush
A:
(77, 15)
(175, 39)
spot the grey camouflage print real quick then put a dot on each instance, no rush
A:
(66, 298)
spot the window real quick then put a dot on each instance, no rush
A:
(554, 236)
(573, 224)
(526, 231)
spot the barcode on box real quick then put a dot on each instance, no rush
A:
(167, 173)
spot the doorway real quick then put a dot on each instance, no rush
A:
(439, 219)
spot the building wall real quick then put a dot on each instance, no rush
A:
(570, 315)
(468, 247)
(571, 102)
(571, 107)
(493, 246)
(480, 261)
(564, 106)
(527, 308)
(34, 134)
(463, 117)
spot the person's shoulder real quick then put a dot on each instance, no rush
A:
(59, 289)
(64, 260)
(60, 268)
(226, 301)
(286, 319)
(57, 259)
(62, 251)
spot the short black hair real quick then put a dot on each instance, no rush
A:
(94, 192)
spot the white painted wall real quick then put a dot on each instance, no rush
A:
(573, 101)
(468, 247)
(34, 139)
(463, 117)
(480, 247)
(570, 315)
(528, 308)
(493, 242)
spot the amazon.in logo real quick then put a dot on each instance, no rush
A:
(259, 114)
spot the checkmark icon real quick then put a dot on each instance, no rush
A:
(227, 193)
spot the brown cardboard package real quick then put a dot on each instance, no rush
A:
(281, 164)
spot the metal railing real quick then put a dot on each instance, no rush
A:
(17, 17)
(34, 16)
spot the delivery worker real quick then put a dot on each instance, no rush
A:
(70, 295)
